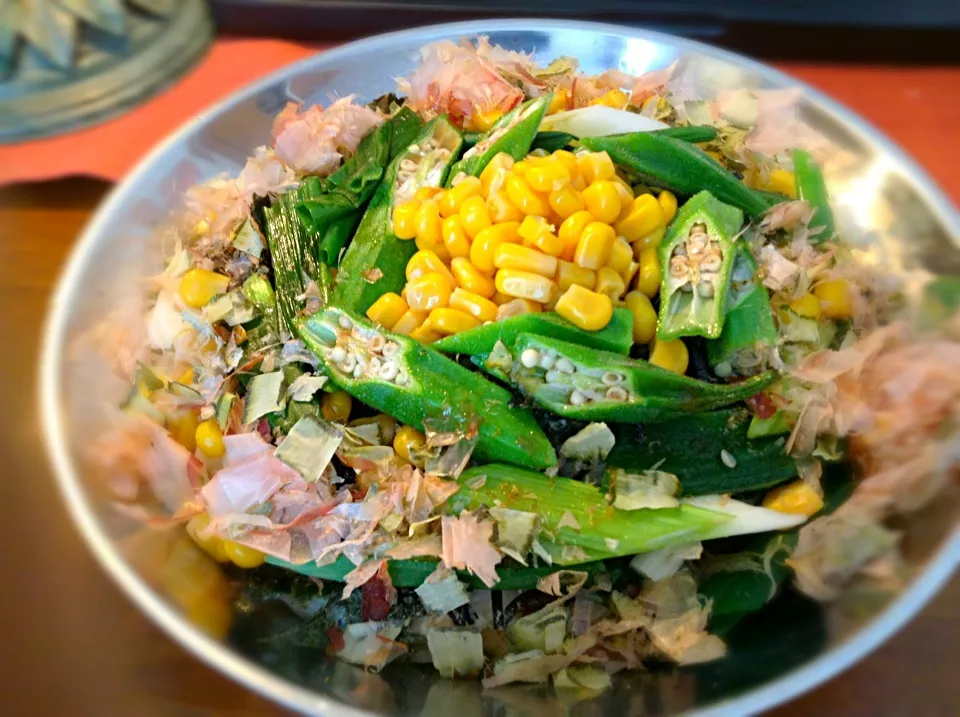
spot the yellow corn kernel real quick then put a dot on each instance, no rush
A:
(243, 556)
(584, 308)
(448, 321)
(626, 197)
(451, 200)
(524, 198)
(547, 242)
(595, 167)
(213, 544)
(424, 334)
(473, 304)
(405, 219)
(411, 319)
(569, 274)
(501, 162)
(428, 291)
(198, 286)
(408, 442)
(501, 209)
(644, 317)
(523, 166)
(594, 246)
(569, 160)
(209, 438)
(648, 276)
(782, 182)
(336, 406)
(387, 425)
(548, 177)
(182, 425)
(388, 309)
(565, 201)
(474, 216)
(797, 498)
(483, 121)
(526, 285)
(425, 193)
(515, 256)
(602, 200)
(645, 216)
(668, 203)
(471, 278)
(570, 232)
(671, 355)
(609, 283)
(455, 237)
(484, 247)
(836, 301)
(579, 183)
(807, 306)
(499, 298)
(517, 307)
(651, 240)
(560, 102)
(187, 377)
(429, 224)
(614, 98)
(630, 272)
(423, 262)
(531, 226)
(621, 255)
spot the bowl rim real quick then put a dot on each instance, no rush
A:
(938, 569)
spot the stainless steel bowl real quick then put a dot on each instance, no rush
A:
(887, 203)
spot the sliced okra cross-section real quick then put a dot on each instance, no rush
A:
(577, 382)
(697, 258)
(423, 388)
(376, 260)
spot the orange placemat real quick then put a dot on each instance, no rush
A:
(919, 108)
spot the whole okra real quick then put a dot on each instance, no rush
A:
(577, 382)
(513, 133)
(660, 160)
(421, 387)
(376, 259)
(697, 258)
(812, 188)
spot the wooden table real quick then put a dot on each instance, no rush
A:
(73, 645)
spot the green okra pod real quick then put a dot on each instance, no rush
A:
(335, 238)
(749, 331)
(423, 388)
(513, 133)
(660, 160)
(376, 259)
(577, 382)
(697, 258)
(617, 336)
(812, 188)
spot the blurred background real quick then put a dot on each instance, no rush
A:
(88, 86)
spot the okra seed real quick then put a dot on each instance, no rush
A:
(443, 153)
(611, 378)
(390, 349)
(554, 376)
(705, 289)
(530, 358)
(711, 264)
(402, 378)
(723, 369)
(408, 165)
(565, 365)
(726, 457)
(376, 343)
(617, 393)
(338, 354)
(349, 363)
(374, 365)
(577, 398)
(414, 149)
(547, 361)
(686, 286)
(358, 370)
(345, 322)
(389, 371)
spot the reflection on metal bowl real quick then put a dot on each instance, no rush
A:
(883, 200)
